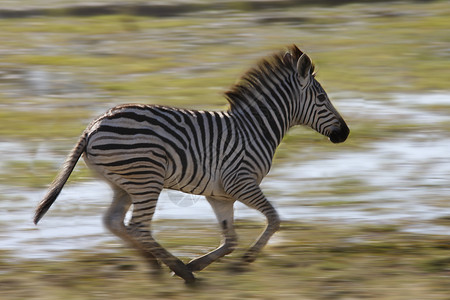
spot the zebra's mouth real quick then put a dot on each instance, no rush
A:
(339, 135)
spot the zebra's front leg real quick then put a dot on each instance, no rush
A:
(224, 213)
(253, 197)
(273, 225)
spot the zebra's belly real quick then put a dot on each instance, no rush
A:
(198, 184)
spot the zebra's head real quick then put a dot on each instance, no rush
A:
(316, 109)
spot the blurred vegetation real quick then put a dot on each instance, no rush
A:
(37, 173)
(304, 261)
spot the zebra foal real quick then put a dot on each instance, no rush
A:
(141, 149)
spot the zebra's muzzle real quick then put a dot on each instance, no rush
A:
(339, 134)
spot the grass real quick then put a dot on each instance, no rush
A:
(62, 123)
(306, 262)
(37, 173)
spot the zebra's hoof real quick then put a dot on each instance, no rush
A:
(248, 258)
(190, 280)
(188, 277)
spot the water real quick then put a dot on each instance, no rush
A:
(394, 181)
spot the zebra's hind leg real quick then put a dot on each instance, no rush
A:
(139, 230)
(114, 221)
(224, 213)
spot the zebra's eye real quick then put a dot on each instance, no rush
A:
(321, 97)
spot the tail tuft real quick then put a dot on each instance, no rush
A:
(45, 203)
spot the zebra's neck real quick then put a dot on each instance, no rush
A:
(268, 108)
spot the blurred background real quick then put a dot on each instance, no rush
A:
(368, 218)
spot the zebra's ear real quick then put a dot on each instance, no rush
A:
(304, 65)
(288, 59)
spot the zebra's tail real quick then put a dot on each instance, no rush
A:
(57, 184)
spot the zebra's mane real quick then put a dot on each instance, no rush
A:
(274, 66)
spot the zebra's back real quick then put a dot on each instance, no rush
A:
(191, 148)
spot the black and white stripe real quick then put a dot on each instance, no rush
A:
(141, 149)
(191, 147)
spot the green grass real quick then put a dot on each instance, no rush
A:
(50, 123)
(37, 173)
